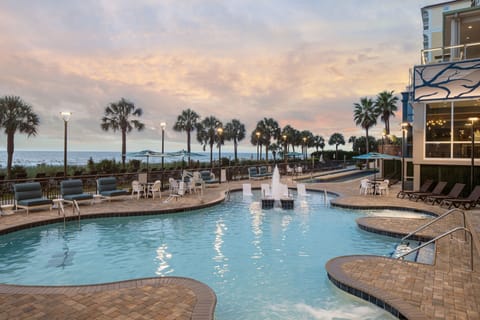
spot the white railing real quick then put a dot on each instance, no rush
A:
(450, 54)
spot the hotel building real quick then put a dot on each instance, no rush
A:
(443, 101)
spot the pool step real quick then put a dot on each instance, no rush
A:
(424, 255)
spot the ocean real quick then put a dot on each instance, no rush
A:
(80, 158)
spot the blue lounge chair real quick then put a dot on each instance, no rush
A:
(29, 195)
(72, 190)
(208, 177)
(107, 188)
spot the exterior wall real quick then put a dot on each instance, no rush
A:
(434, 30)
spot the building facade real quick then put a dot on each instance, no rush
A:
(445, 96)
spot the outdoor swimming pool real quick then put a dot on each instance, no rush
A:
(262, 264)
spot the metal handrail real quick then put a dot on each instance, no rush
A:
(462, 56)
(433, 221)
(438, 238)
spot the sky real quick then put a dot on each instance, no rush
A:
(303, 63)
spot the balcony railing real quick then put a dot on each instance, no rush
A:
(451, 54)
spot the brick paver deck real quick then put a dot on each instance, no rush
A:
(449, 289)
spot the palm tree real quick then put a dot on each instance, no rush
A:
(270, 130)
(386, 107)
(365, 114)
(16, 115)
(207, 133)
(336, 139)
(235, 130)
(187, 121)
(307, 141)
(353, 141)
(288, 132)
(318, 142)
(117, 117)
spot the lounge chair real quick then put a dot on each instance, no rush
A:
(454, 193)
(72, 191)
(423, 188)
(208, 177)
(435, 192)
(467, 203)
(107, 188)
(263, 172)
(253, 173)
(29, 195)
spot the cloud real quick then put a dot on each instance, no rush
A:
(303, 63)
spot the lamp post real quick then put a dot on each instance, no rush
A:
(163, 125)
(472, 166)
(383, 141)
(285, 155)
(304, 148)
(66, 117)
(405, 126)
(258, 140)
(219, 133)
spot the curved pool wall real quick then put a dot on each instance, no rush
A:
(276, 259)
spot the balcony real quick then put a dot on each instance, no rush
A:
(459, 52)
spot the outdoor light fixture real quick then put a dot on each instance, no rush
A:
(285, 156)
(405, 126)
(66, 117)
(258, 138)
(472, 166)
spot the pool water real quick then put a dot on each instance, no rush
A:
(262, 264)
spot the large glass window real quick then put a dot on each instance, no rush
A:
(438, 122)
(462, 127)
(444, 139)
(437, 150)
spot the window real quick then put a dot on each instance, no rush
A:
(447, 139)
(425, 19)
(438, 123)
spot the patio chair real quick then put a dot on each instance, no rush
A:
(72, 191)
(435, 192)
(383, 187)
(137, 189)
(290, 171)
(467, 203)
(423, 188)
(107, 188)
(454, 193)
(155, 189)
(29, 195)
(366, 187)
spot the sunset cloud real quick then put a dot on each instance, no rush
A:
(304, 63)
